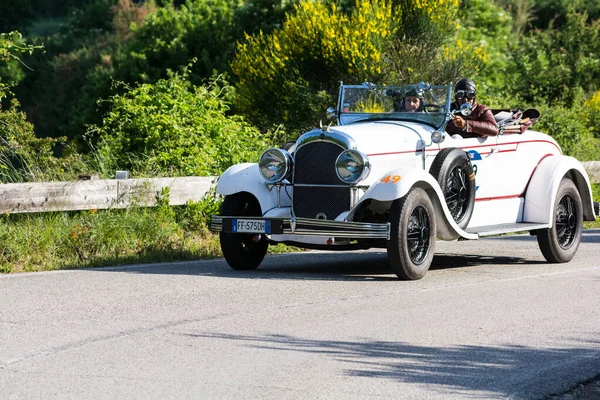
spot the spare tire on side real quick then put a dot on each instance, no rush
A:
(454, 173)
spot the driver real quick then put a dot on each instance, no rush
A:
(412, 101)
(480, 122)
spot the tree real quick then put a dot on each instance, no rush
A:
(12, 46)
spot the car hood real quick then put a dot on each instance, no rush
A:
(386, 136)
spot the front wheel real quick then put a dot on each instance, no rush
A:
(559, 243)
(241, 250)
(412, 237)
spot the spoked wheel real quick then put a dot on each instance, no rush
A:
(559, 243)
(454, 173)
(242, 251)
(412, 238)
(456, 192)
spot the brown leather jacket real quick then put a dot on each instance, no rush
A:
(481, 122)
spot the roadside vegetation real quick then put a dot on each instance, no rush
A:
(163, 88)
(596, 194)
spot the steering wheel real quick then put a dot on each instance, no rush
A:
(432, 108)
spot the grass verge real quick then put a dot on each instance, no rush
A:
(63, 240)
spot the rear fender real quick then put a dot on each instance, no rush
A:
(541, 192)
(398, 182)
(247, 178)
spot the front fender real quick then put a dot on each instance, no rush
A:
(247, 178)
(390, 188)
(541, 192)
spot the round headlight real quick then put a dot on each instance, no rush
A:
(437, 136)
(352, 166)
(274, 164)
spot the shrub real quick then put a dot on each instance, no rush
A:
(592, 109)
(425, 47)
(487, 27)
(553, 66)
(175, 128)
(568, 126)
(290, 76)
(23, 156)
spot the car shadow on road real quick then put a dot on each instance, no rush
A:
(317, 265)
(342, 266)
(508, 371)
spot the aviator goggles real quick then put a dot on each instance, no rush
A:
(462, 93)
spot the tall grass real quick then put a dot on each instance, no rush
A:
(96, 238)
(36, 242)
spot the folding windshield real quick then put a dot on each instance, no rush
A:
(378, 102)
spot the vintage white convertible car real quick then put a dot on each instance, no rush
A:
(395, 180)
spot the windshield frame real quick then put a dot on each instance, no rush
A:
(381, 96)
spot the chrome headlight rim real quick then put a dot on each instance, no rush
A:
(361, 167)
(438, 136)
(269, 170)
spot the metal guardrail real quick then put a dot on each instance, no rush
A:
(593, 170)
(99, 194)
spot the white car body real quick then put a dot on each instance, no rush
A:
(517, 178)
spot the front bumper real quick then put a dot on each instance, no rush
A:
(310, 227)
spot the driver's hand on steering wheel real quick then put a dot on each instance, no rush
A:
(459, 122)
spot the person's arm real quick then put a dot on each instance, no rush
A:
(484, 125)
(452, 129)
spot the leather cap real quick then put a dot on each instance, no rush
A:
(466, 84)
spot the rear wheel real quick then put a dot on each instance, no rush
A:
(412, 237)
(241, 250)
(559, 243)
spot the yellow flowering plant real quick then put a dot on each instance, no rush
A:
(291, 75)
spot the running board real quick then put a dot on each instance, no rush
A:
(492, 230)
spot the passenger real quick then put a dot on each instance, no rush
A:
(480, 122)
(412, 101)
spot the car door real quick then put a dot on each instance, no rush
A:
(483, 152)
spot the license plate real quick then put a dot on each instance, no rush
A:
(250, 226)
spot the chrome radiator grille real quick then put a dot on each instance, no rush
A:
(314, 165)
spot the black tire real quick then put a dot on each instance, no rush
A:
(239, 250)
(559, 243)
(412, 237)
(454, 173)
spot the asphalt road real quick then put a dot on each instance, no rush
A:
(490, 320)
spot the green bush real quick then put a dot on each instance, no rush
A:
(175, 128)
(488, 25)
(568, 126)
(203, 29)
(23, 156)
(592, 109)
(554, 66)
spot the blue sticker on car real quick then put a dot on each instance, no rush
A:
(474, 155)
